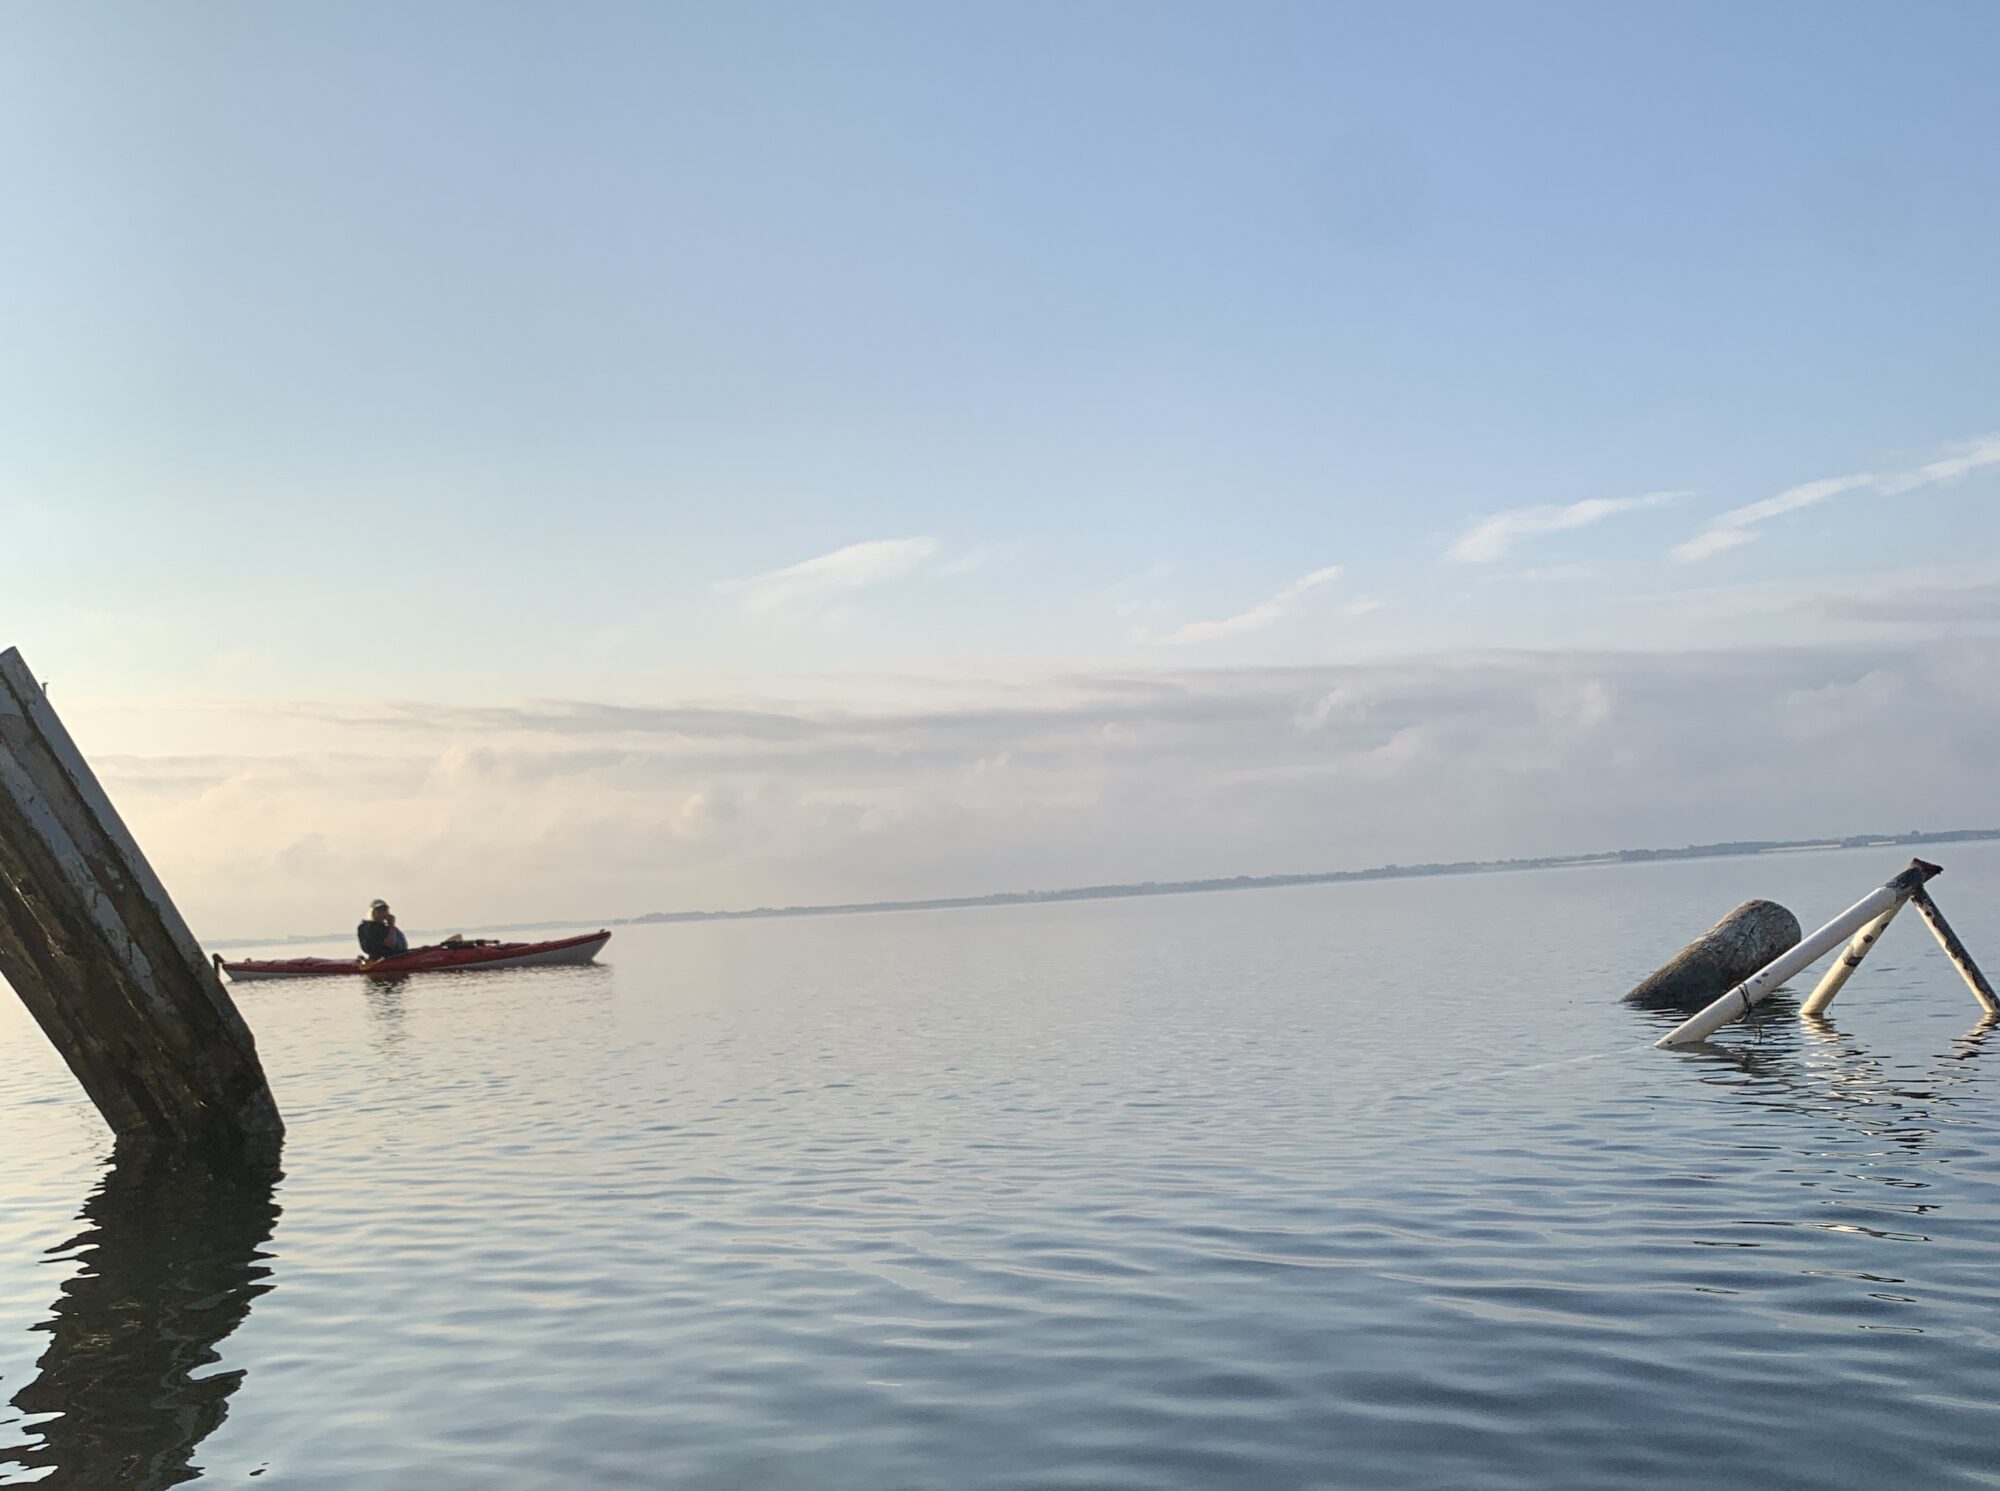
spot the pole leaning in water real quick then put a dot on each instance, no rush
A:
(95, 948)
(1738, 1001)
(1955, 950)
(1843, 967)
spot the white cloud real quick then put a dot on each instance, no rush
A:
(1492, 537)
(829, 577)
(1140, 594)
(1967, 456)
(1740, 525)
(1930, 606)
(971, 561)
(1551, 574)
(1259, 616)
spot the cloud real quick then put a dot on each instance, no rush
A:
(1928, 607)
(1140, 595)
(974, 559)
(1259, 616)
(1551, 574)
(815, 583)
(1493, 537)
(588, 809)
(1739, 526)
(1965, 457)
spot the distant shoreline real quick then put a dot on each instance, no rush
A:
(1727, 850)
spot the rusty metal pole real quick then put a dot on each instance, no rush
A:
(97, 952)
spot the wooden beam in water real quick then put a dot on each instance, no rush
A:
(94, 947)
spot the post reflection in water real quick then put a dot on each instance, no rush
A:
(172, 1256)
(1807, 1064)
(1971, 1043)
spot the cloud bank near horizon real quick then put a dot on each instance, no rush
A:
(583, 809)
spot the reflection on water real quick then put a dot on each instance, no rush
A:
(1808, 1065)
(172, 1255)
(387, 1014)
(1881, 1116)
(1973, 1042)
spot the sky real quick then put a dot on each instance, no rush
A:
(533, 460)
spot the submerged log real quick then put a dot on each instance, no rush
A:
(97, 952)
(1744, 941)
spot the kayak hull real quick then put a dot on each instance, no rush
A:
(566, 952)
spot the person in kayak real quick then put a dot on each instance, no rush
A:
(379, 936)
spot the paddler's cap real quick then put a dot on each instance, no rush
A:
(378, 904)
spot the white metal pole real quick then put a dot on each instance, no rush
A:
(1844, 966)
(1955, 950)
(1739, 999)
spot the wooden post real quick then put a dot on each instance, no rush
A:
(1955, 950)
(97, 952)
(1844, 966)
(1739, 999)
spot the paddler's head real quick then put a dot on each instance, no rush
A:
(378, 911)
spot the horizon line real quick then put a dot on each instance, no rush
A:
(1130, 890)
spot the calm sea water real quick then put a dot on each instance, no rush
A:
(1358, 1186)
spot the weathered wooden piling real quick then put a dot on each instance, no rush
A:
(1723, 956)
(96, 950)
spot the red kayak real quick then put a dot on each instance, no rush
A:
(569, 950)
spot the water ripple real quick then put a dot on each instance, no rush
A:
(1276, 1190)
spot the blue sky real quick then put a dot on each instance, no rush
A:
(858, 356)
